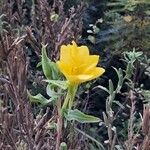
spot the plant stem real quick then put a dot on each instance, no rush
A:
(91, 138)
(131, 121)
(68, 102)
(72, 91)
(59, 125)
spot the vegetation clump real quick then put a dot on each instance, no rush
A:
(93, 94)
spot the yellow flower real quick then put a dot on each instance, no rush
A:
(77, 64)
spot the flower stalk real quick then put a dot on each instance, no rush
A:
(76, 70)
(68, 102)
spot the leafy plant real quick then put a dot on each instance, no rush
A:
(130, 128)
(125, 25)
(57, 86)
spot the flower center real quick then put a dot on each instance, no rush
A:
(78, 70)
(75, 70)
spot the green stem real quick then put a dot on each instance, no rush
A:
(65, 104)
(68, 102)
(73, 90)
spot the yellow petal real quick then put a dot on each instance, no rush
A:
(83, 51)
(84, 77)
(77, 65)
(92, 59)
(74, 44)
(88, 68)
(64, 68)
(65, 54)
(97, 71)
(74, 49)
(69, 53)
(73, 79)
(74, 54)
(78, 79)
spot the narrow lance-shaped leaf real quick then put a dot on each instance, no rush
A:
(129, 70)
(59, 83)
(111, 87)
(54, 93)
(81, 117)
(103, 88)
(46, 63)
(38, 99)
(111, 98)
(119, 104)
(49, 68)
(105, 119)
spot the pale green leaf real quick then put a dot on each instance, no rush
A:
(50, 68)
(103, 88)
(59, 83)
(91, 39)
(38, 99)
(79, 116)
(119, 104)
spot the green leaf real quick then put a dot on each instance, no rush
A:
(96, 29)
(121, 79)
(52, 125)
(51, 91)
(106, 121)
(89, 31)
(55, 95)
(81, 117)
(39, 64)
(119, 104)
(62, 84)
(97, 142)
(111, 87)
(91, 39)
(63, 146)
(49, 68)
(38, 99)
(111, 98)
(54, 17)
(103, 88)
(129, 70)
